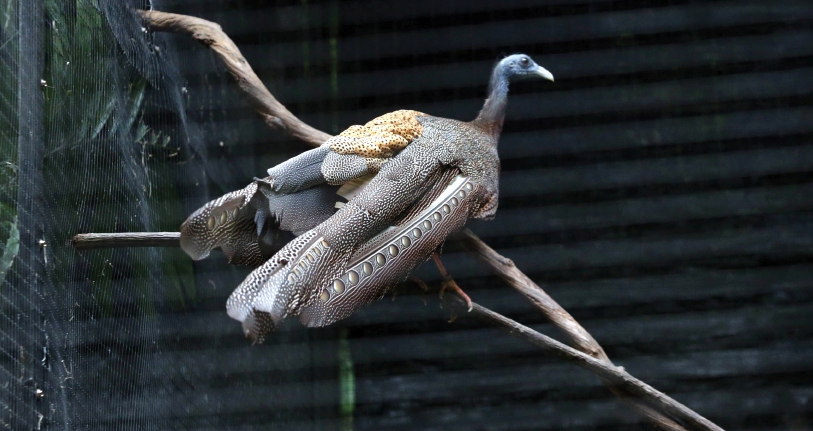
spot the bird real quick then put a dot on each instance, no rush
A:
(336, 227)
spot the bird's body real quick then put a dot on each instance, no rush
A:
(432, 174)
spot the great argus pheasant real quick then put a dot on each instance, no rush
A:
(336, 227)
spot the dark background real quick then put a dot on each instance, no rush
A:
(660, 190)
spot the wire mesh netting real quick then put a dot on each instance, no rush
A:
(659, 190)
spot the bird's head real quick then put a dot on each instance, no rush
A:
(520, 66)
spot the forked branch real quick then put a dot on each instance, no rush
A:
(505, 268)
(654, 405)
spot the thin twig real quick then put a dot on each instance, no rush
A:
(612, 375)
(506, 269)
(86, 241)
(579, 336)
(211, 35)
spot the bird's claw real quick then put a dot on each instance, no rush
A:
(451, 285)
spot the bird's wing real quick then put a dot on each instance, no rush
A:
(356, 152)
(300, 172)
(363, 150)
(298, 194)
(387, 258)
(305, 276)
(225, 222)
(322, 283)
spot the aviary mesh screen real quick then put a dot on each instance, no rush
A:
(660, 190)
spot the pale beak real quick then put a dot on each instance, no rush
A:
(542, 72)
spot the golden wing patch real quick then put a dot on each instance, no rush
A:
(379, 138)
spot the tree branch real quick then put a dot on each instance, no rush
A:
(211, 35)
(505, 268)
(87, 241)
(619, 381)
(614, 376)
(579, 336)
(276, 115)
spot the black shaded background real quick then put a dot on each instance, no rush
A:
(659, 190)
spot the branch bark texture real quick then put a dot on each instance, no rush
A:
(87, 241)
(505, 268)
(212, 35)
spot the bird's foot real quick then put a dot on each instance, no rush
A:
(420, 283)
(450, 284)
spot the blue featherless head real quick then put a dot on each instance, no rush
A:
(519, 66)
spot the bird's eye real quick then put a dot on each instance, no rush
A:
(524, 61)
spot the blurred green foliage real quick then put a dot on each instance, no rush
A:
(104, 168)
(9, 47)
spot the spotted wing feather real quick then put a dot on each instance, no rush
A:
(297, 195)
(385, 210)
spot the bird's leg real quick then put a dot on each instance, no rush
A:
(448, 281)
(420, 284)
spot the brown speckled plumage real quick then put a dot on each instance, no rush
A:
(379, 138)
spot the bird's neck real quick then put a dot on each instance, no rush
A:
(492, 115)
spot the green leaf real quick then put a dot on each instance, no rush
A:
(10, 251)
(137, 90)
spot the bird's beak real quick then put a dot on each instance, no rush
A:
(542, 72)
